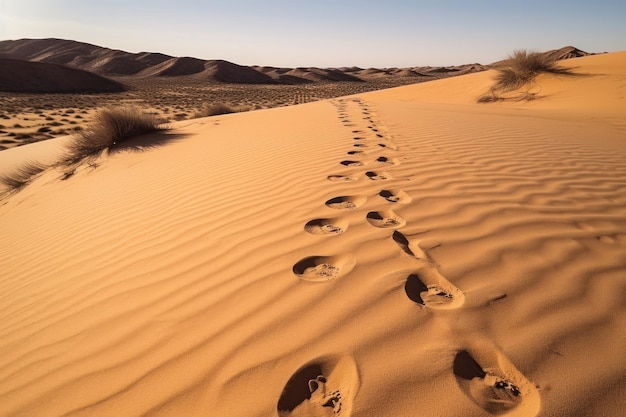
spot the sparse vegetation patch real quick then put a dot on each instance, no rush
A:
(21, 176)
(213, 109)
(111, 127)
(519, 70)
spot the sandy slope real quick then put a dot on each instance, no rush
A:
(399, 253)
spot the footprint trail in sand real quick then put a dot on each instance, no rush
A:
(309, 391)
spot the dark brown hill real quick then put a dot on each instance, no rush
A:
(566, 52)
(113, 63)
(227, 72)
(38, 77)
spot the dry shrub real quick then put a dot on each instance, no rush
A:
(109, 128)
(21, 176)
(522, 67)
(213, 109)
(491, 97)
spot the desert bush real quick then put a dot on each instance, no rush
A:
(21, 176)
(521, 67)
(213, 109)
(111, 127)
(490, 97)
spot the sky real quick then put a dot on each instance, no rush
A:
(322, 33)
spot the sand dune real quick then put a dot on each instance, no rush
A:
(38, 77)
(397, 253)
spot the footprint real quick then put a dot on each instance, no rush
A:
(346, 202)
(357, 138)
(492, 382)
(357, 131)
(385, 160)
(352, 163)
(407, 247)
(385, 219)
(360, 145)
(376, 176)
(340, 178)
(324, 387)
(326, 226)
(356, 153)
(388, 146)
(429, 288)
(395, 196)
(323, 268)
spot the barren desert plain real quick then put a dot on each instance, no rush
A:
(402, 252)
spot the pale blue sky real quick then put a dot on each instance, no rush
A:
(383, 33)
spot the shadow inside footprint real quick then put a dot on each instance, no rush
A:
(297, 389)
(395, 196)
(352, 163)
(375, 176)
(345, 202)
(466, 367)
(385, 219)
(403, 242)
(340, 178)
(414, 288)
(325, 227)
(389, 196)
(323, 268)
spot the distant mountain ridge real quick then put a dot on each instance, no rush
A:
(116, 63)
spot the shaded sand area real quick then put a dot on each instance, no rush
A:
(398, 253)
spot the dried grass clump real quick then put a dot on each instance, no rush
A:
(110, 127)
(519, 70)
(21, 176)
(213, 109)
(522, 67)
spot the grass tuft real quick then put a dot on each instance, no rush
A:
(21, 176)
(213, 109)
(522, 67)
(111, 127)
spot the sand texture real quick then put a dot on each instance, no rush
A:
(406, 252)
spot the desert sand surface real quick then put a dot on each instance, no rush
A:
(406, 252)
